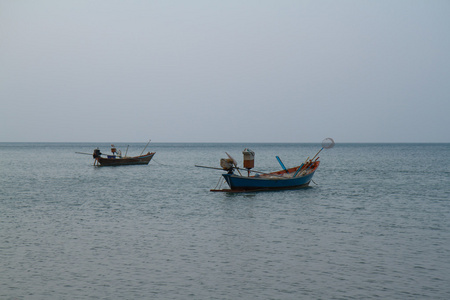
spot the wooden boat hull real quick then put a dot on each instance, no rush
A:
(126, 161)
(253, 183)
(280, 180)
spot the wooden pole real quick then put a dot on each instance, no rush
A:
(317, 153)
(298, 170)
(239, 169)
(145, 147)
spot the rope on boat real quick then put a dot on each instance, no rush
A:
(219, 182)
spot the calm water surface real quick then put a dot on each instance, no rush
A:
(375, 225)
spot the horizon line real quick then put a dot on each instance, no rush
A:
(167, 142)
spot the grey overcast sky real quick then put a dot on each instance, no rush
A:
(224, 71)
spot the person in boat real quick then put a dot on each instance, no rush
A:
(96, 153)
(114, 151)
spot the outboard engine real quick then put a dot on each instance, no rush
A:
(227, 164)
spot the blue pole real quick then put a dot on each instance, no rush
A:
(298, 170)
(281, 164)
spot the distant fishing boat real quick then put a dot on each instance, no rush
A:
(116, 158)
(292, 178)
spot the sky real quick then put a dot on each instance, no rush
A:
(288, 71)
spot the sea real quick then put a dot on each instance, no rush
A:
(374, 224)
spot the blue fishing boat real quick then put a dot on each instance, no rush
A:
(292, 178)
(279, 180)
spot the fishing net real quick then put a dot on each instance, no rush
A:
(328, 143)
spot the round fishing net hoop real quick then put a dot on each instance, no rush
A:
(328, 143)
